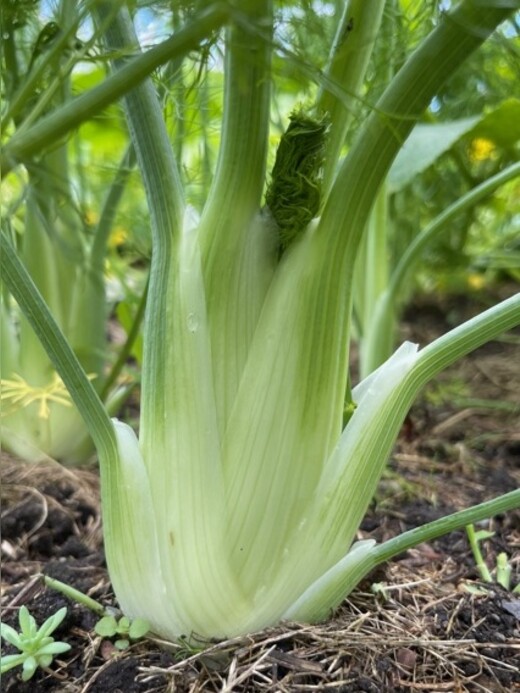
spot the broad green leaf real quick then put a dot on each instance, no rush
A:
(425, 144)
(501, 126)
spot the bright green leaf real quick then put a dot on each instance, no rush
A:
(106, 627)
(425, 144)
(138, 628)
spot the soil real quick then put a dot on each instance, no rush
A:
(424, 622)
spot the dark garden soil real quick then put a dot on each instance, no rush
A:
(413, 625)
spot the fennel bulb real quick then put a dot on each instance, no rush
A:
(239, 505)
(217, 530)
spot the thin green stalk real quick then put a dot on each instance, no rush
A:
(459, 342)
(34, 77)
(75, 595)
(175, 80)
(53, 127)
(474, 539)
(12, 75)
(379, 337)
(445, 525)
(125, 351)
(165, 201)
(372, 264)
(375, 269)
(236, 253)
(455, 344)
(440, 224)
(107, 216)
(350, 55)
(240, 172)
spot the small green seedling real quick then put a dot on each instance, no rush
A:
(379, 589)
(503, 566)
(37, 647)
(109, 626)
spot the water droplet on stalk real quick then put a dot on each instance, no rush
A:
(193, 322)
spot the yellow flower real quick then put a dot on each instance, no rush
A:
(117, 237)
(476, 281)
(91, 217)
(481, 149)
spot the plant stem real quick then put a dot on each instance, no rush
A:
(440, 224)
(380, 333)
(456, 343)
(348, 62)
(393, 547)
(235, 253)
(106, 218)
(240, 172)
(166, 204)
(75, 595)
(124, 352)
(474, 543)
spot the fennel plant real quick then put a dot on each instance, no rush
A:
(239, 504)
(41, 212)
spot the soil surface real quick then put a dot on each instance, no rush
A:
(421, 623)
